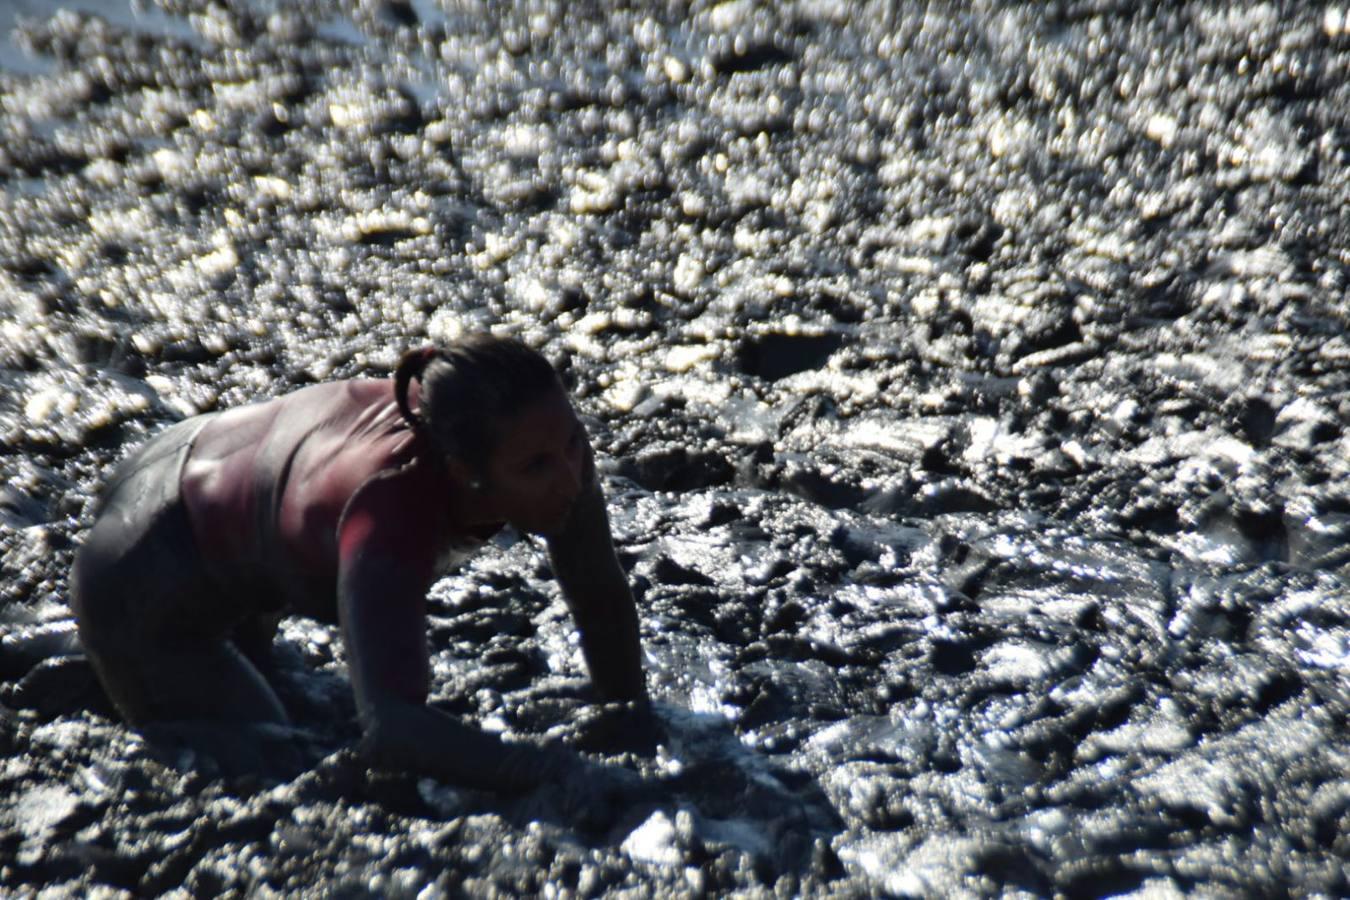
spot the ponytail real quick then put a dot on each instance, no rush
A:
(412, 365)
(467, 389)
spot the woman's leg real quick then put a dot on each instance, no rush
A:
(254, 638)
(194, 681)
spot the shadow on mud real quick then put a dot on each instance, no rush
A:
(702, 793)
(709, 797)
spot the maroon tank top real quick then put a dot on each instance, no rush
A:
(271, 487)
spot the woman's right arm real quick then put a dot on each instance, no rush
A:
(385, 568)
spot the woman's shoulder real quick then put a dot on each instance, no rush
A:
(303, 406)
(329, 398)
(364, 390)
(356, 437)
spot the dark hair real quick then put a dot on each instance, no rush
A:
(467, 388)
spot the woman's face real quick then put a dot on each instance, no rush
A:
(536, 470)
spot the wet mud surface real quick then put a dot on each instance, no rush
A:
(970, 386)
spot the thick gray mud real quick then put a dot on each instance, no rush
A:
(970, 384)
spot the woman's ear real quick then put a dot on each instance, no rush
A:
(463, 475)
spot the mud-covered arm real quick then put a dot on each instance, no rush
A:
(596, 589)
(385, 569)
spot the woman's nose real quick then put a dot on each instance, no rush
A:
(576, 465)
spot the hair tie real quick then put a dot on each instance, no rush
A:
(413, 364)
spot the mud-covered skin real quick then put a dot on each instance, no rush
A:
(1015, 561)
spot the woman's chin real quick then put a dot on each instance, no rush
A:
(541, 526)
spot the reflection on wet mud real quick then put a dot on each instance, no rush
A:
(969, 385)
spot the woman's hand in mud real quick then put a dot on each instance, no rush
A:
(591, 796)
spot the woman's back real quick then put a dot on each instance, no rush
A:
(266, 484)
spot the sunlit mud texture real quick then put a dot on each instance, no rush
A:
(969, 383)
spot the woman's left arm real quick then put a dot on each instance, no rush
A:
(596, 589)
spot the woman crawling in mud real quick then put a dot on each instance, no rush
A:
(344, 502)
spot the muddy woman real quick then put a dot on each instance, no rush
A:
(344, 502)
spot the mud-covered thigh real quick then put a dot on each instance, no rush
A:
(147, 610)
(139, 571)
